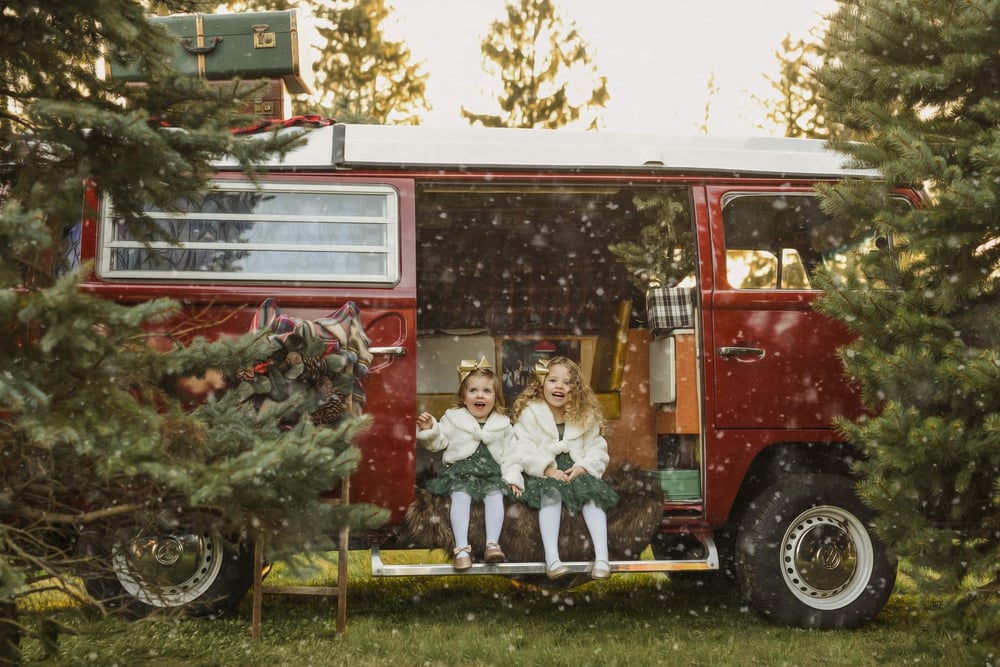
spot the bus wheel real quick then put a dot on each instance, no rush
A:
(196, 572)
(806, 557)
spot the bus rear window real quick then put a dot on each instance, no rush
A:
(275, 232)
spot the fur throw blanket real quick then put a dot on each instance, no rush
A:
(632, 523)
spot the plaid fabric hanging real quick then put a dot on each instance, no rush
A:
(341, 334)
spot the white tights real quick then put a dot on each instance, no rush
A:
(549, 516)
(461, 507)
(597, 524)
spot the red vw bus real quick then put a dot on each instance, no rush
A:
(720, 383)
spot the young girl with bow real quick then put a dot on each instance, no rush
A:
(479, 454)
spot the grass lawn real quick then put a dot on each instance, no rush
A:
(637, 619)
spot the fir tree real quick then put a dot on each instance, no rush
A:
(362, 76)
(532, 52)
(920, 78)
(96, 435)
(797, 107)
(664, 255)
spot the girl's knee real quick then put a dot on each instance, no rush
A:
(550, 499)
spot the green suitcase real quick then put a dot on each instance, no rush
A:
(252, 45)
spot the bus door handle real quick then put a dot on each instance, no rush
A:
(392, 350)
(731, 352)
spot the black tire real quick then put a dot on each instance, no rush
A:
(806, 557)
(194, 572)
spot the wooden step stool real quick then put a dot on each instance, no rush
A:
(339, 591)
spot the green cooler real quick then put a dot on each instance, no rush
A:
(678, 484)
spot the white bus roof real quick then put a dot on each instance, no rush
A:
(406, 146)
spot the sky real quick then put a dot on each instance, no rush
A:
(658, 56)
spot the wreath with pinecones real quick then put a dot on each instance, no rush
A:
(286, 374)
(307, 365)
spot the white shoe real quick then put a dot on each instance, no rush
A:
(601, 570)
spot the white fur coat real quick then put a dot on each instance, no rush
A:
(539, 443)
(458, 435)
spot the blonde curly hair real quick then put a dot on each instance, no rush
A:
(582, 406)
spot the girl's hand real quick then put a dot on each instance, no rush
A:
(575, 472)
(425, 421)
(516, 490)
(555, 473)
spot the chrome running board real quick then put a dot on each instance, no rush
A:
(381, 569)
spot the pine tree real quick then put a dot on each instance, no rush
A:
(361, 73)
(535, 54)
(713, 91)
(798, 108)
(920, 78)
(96, 434)
(361, 77)
(664, 255)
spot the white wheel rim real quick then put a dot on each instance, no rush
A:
(168, 570)
(827, 557)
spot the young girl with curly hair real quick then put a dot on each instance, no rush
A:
(558, 423)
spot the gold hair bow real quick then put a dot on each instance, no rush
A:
(541, 369)
(466, 366)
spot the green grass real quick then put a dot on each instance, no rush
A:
(640, 619)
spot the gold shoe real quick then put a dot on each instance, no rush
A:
(463, 559)
(493, 553)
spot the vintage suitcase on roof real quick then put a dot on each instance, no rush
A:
(252, 45)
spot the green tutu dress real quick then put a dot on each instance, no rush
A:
(574, 494)
(477, 475)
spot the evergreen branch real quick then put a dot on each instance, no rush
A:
(88, 517)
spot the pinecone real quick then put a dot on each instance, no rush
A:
(244, 374)
(315, 368)
(331, 403)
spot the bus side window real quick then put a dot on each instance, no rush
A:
(771, 240)
(329, 233)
